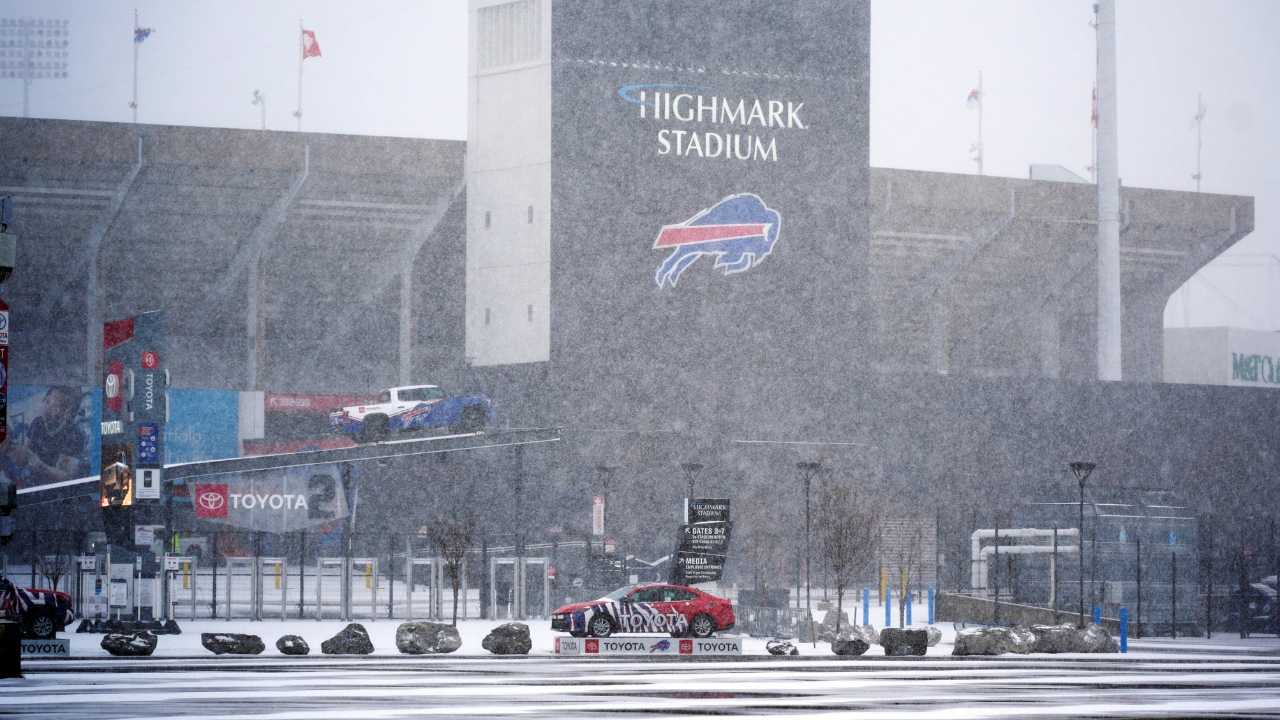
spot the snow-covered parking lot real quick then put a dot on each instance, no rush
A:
(1191, 677)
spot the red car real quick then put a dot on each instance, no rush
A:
(43, 613)
(671, 609)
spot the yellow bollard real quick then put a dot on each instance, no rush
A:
(278, 575)
(884, 582)
(186, 576)
(368, 575)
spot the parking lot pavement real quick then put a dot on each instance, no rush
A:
(1155, 684)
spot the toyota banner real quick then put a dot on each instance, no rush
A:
(276, 501)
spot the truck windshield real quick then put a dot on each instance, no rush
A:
(384, 397)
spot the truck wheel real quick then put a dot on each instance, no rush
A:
(376, 427)
(473, 419)
(41, 625)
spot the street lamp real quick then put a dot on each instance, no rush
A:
(605, 474)
(691, 470)
(1082, 470)
(807, 471)
(260, 99)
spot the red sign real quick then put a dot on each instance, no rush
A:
(286, 402)
(593, 646)
(686, 647)
(112, 389)
(211, 500)
(150, 360)
(116, 332)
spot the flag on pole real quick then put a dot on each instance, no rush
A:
(310, 48)
(140, 34)
(974, 99)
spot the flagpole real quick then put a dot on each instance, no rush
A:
(134, 104)
(301, 57)
(980, 99)
(1199, 124)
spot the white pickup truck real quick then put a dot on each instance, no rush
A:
(413, 407)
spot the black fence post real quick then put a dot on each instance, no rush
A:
(302, 572)
(1242, 599)
(213, 566)
(1138, 541)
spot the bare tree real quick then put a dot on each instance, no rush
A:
(56, 566)
(905, 550)
(764, 543)
(452, 536)
(846, 536)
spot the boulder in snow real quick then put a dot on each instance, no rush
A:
(427, 638)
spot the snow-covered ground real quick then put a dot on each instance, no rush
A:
(1190, 677)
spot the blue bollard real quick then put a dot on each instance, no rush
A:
(866, 606)
(1097, 614)
(1124, 630)
(931, 605)
(888, 603)
(909, 598)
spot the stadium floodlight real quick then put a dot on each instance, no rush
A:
(1082, 471)
(33, 49)
(691, 470)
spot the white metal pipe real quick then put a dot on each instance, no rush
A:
(1108, 188)
(977, 561)
(984, 561)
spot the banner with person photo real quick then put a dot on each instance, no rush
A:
(54, 434)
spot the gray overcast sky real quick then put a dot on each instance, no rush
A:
(398, 67)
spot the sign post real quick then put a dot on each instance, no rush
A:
(134, 411)
(704, 541)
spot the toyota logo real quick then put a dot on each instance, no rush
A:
(113, 385)
(212, 500)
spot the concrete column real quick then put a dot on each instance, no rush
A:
(1050, 350)
(940, 332)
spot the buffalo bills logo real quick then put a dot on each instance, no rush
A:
(660, 646)
(739, 231)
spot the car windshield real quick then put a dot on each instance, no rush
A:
(619, 593)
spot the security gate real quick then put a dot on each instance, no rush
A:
(519, 587)
(273, 579)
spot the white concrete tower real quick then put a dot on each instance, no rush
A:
(1108, 199)
(509, 182)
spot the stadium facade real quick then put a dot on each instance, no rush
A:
(929, 336)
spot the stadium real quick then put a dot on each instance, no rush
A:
(929, 337)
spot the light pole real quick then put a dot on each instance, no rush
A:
(605, 474)
(1082, 470)
(807, 471)
(260, 99)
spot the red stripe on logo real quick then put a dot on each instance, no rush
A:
(686, 234)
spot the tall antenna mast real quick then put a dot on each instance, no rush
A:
(1108, 189)
(975, 100)
(134, 103)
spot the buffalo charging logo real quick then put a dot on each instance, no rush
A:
(739, 232)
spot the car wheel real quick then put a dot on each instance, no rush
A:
(600, 626)
(701, 626)
(41, 625)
